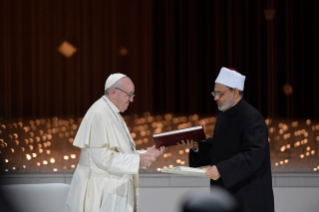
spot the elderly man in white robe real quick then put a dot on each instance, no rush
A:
(106, 178)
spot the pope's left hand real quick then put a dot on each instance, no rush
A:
(212, 173)
(156, 152)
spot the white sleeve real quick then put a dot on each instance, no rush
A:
(111, 160)
(196, 150)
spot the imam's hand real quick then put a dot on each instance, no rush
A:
(189, 144)
(212, 173)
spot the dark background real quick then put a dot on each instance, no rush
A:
(175, 51)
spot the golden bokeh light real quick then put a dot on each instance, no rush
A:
(28, 157)
(39, 136)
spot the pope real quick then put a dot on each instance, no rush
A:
(106, 178)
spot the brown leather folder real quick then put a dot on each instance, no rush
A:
(173, 137)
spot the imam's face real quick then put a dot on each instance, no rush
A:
(223, 97)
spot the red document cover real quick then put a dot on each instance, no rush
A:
(173, 137)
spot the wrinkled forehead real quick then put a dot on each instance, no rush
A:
(128, 84)
(220, 87)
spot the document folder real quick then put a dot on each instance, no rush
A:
(173, 137)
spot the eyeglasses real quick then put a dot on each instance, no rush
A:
(129, 95)
(219, 95)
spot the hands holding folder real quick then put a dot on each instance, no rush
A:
(189, 144)
(188, 138)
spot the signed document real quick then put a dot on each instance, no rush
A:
(185, 170)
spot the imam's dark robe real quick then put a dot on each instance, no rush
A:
(239, 148)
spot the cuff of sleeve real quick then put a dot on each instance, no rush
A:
(141, 151)
(143, 167)
(196, 150)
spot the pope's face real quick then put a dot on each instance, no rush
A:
(223, 97)
(122, 98)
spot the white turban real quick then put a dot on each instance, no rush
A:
(112, 79)
(231, 79)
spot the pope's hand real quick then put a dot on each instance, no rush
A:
(155, 152)
(189, 144)
(146, 159)
(212, 173)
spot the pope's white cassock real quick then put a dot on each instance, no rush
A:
(106, 178)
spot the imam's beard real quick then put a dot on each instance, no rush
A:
(227, 104)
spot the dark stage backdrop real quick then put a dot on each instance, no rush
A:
(172, 50)
(194, 39)
(110, 36)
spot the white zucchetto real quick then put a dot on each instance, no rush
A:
(112, 79)
(231, 79)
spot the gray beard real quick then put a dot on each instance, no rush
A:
(228, 103)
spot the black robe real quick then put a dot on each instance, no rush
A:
(239, 148)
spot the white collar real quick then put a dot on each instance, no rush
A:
(113, 106)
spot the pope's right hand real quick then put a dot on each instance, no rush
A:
(146, 159)
(189, 144)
